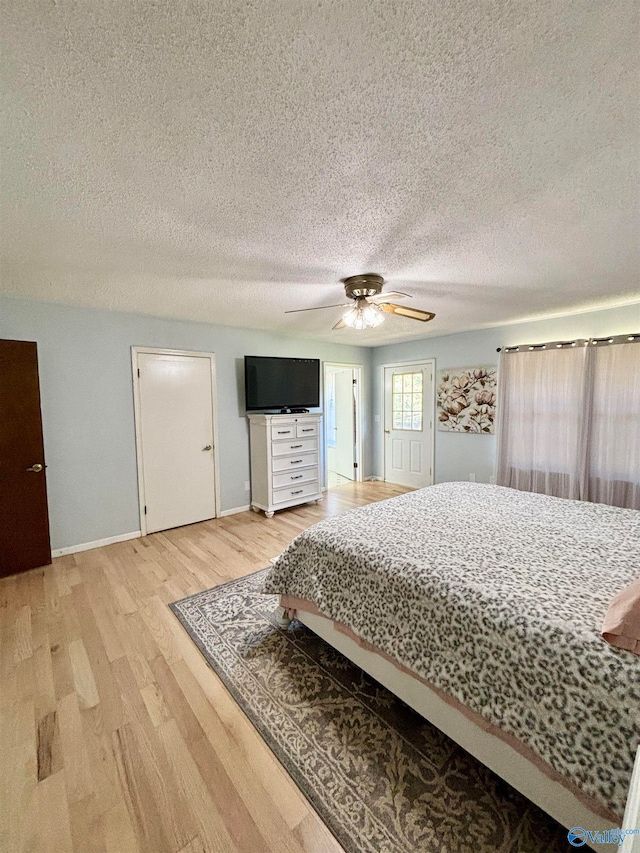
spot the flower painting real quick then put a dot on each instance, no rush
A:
(466, 399)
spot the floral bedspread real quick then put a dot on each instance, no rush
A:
(496, 597)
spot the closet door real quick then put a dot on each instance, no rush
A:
(175, 430)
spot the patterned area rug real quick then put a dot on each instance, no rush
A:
(382, 778)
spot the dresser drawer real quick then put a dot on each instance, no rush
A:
(298, 445)
(295, 478)
(305, 430)
(279, 431)
(300, 460)
(296, 492)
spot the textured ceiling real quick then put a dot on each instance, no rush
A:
(224, 161)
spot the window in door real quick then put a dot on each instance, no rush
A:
(406, 406)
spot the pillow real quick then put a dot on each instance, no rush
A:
(621, 625)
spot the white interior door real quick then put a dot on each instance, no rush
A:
(345, 424)
(175, 432)
(408, 424)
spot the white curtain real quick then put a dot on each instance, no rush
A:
(614, 436)
(569, 422)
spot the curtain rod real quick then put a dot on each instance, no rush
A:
(610, 339)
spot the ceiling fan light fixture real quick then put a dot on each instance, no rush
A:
(370, 304)
(364, 315)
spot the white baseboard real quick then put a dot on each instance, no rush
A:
(87, 546)
(234, 510)
(375, 479)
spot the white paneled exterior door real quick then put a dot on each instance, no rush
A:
(408, 424)
(344, 429)
(175, 434)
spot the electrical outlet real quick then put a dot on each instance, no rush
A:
(472, 477)
(247, 485)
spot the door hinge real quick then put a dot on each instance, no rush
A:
(355, 464)
(355, 381)
(138, 373)
(145, 510)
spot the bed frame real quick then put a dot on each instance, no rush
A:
(522, 774)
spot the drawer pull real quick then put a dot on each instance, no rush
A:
(298, 492)
(284, 431)
(296, 461)
(295, 446)
(297, 477)
(309, 429)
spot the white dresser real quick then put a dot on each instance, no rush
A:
(285, 461)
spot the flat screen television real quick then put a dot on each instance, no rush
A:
(281, 383)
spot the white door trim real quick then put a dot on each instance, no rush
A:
(135, 351)
(358, 369)
(411, 363)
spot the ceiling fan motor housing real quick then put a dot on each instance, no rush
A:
(360, 286)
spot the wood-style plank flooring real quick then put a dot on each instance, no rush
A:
(115, 736)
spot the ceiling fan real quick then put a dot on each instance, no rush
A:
(370, 303)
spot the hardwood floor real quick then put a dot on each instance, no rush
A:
(115, 735)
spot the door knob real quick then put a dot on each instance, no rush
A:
(208, 447)
(36, 468)
(387, 431)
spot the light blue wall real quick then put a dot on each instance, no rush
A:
(87, 399)
(458, 455)
(87, 405)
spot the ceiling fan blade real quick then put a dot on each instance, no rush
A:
(402, 311)
(318, 308)
(339, 325)
(392, 294)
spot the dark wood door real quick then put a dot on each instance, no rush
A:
(24, 517)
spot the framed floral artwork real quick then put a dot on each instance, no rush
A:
(466, 399)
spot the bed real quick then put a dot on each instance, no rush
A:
(481, 607)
